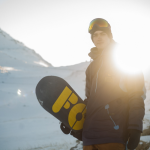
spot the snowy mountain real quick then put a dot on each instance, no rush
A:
(16, 54)
(24, 124)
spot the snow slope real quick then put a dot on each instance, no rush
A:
(16, 54)
(24, 124)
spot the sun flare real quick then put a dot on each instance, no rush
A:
(130, 59)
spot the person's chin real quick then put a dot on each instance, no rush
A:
(100, 47)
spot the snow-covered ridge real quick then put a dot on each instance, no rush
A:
(14, 53)
(7, 42)
(24, 124)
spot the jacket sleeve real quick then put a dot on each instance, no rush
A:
(136, 94)
(88, 84)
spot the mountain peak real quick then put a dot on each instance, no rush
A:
(14, 53)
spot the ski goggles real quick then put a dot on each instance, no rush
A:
(99, 22)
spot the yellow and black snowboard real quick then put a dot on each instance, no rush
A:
(57, 97)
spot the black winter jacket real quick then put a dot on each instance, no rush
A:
(115, 100)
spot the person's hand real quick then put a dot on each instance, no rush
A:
(77, 135)
(133, 138)
(64, 129)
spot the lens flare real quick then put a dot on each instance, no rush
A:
(19, 92)
(128, 60)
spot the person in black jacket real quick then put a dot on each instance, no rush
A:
(115, 99)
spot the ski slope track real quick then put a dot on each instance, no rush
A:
(24, 124)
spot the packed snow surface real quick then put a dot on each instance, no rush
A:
(24, 124)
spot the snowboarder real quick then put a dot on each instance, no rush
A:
(115, 100)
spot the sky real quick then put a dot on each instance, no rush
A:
(58, 29)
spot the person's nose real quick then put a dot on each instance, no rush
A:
(99, 37)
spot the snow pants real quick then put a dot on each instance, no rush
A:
(108, 146)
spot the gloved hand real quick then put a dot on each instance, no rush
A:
(77, 135)
(66, 130)
(133, 138)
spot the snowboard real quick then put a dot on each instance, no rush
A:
(57, 97)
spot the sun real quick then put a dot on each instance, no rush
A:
(129, 59)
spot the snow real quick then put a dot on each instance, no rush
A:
(145, 138)
(147, 111)
(17, 54)
(24, 124)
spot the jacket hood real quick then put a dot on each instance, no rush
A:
(95, 53)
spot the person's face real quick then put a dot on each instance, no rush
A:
(101, 40)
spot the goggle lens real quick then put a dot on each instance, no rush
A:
(99, 22)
